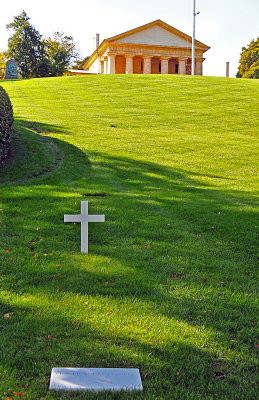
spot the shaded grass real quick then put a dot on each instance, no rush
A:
(169, 285)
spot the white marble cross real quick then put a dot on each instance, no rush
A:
(84, 218)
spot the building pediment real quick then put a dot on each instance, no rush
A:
(155, 36)
(157, 33)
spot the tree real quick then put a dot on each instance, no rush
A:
(249, 61)
(79, 64)
(61, 50)
(27, 48)
(4, 57)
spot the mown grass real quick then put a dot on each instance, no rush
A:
(169, 284)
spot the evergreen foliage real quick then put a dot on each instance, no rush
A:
(249, 61)
(6, 125)
(27, 49)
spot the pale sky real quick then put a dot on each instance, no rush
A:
(224, 25)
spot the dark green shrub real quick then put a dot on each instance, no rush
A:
(6, 125)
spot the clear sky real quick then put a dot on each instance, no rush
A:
(224, 25)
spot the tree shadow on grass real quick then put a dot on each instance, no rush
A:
(169, 235)
(49, 339)
(174, 230)
(35, 154)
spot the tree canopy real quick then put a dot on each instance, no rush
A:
(61, 50)
(26, 48)
(79, 64)
(4, 57)
(36, 56)
(249, 61)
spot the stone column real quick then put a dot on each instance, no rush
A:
(147, 65)
(105, 65)
(198, 66)
(164, 65)
(102, 67)
(111, 64)
(182, 66)
(129, 64)
(227, 69)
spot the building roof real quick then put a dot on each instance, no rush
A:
(105, 44)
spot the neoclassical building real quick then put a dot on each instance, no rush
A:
(154, 48)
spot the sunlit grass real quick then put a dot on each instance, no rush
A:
(169, 284)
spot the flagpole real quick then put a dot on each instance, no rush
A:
(193, 37)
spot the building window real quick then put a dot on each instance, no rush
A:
(176, 68)
(141, 67)
(159, 67)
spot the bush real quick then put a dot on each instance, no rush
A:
(6, 125)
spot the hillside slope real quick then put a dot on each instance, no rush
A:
(169, 284)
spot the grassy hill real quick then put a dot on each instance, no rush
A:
(169, 284)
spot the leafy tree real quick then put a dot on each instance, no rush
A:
(79, 64)
(249, 61)
(61, 50)
(4, 56)
(27, 48)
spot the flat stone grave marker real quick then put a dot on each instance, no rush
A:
(11, 70)
(84, 218)
(95, 379)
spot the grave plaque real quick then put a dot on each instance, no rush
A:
(11, 70)
(95, 379)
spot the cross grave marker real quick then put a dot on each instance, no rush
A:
(84, 218)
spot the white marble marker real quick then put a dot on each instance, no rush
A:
(84, 218)
(95, 379)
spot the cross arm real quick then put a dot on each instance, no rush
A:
(73, 218)
(96, 218)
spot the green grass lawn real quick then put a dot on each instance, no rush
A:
(169, 284)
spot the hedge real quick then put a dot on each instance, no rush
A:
(6, 125)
